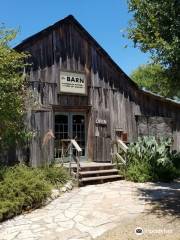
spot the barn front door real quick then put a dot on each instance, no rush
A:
(70, 125)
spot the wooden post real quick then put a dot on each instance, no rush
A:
(112, 154)
(78, 168)
(62, 153)
(70, 159)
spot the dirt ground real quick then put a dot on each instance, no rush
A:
(159, 221)
(154, 228)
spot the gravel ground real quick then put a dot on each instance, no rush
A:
(154, 228)
(160, 219)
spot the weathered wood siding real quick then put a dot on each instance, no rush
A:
(111, 94)
(41, 154)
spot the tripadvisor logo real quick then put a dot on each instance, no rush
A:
(138, 231)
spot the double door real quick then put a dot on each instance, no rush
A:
(71, 125)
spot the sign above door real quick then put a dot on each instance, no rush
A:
(73, 83)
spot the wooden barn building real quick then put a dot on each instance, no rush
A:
(82, 93)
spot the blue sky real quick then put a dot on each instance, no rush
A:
(103, 19)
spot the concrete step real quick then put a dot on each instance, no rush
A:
(98, 173)
(99, 179)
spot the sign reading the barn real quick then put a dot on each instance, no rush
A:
(71, 82)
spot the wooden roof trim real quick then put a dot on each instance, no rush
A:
(159, 98)
(41, 33)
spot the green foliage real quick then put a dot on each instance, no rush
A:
(150, 160)
(175, 158)
(139, 172)
(152, 77)
(155, 28)
(12, 91)
(56, 175)
(23, 188)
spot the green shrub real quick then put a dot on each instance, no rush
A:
(150, 160)
(175, 157)
(23, 188)
(20, 189)
(56, 175)
(2, 172)
(139, 172)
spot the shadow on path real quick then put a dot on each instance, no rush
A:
(164, 198)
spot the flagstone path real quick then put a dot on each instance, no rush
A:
(83, 213)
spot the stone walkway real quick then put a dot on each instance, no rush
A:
(83, 213)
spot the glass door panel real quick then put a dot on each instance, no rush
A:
(61, 127)
(69, 126)
(61, 132)
(78, 130)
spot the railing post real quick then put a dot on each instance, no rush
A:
(111, 154)
(117, 149)
(77, 174)
(62, 153)
(70, 159)
(119, 144)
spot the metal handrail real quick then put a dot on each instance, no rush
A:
(116, 144)
(72, 143)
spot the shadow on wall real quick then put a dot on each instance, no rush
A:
(164, 197)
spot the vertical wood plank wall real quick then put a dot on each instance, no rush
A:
(111, 94)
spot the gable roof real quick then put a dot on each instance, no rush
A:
(70, 19)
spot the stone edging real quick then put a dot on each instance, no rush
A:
(55, 193)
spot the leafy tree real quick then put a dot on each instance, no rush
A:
(155, 28)
(12, 91)
(152, 77)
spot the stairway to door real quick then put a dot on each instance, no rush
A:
(95, 173)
